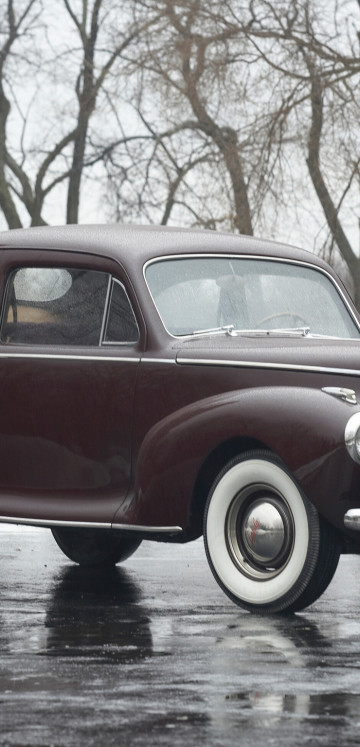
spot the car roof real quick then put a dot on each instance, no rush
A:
(143, 243)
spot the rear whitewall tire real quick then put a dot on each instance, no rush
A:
(94, 547)
(260, 587)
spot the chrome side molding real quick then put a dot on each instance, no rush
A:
(146, 529)
(53, 523)
(90, 525)
(265, 366)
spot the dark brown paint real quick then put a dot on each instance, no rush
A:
(85, 438)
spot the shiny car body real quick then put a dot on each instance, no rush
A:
(162, 383)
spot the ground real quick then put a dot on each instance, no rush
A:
(153, 652)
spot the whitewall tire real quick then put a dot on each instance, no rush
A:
(263, 537)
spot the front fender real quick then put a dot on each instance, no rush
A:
(303, 426)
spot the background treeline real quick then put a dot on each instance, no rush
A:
(234, 114)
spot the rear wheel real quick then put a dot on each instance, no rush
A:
(94, 547)
(267, 546)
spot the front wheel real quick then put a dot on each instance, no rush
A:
(94, 547)
(266, 544)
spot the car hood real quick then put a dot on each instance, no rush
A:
(273, 352)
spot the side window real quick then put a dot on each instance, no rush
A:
(55, 306)
(121, 323)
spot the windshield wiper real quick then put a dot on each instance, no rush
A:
(229, 329)
(297, 331)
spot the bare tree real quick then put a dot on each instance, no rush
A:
(313, 48)
(14, 26)
(64, 149)
(222, 114)
(193, 62)
(91, 81)
(212, 92)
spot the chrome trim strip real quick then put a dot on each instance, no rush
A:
(106, 309)
(172, 361)
(62, 356)
(352, 519)
(239, 255)
(147, 529)
(109, 343)
(54, 523)
(90, 525)
(274, 366)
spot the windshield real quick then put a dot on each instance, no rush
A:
(210, 295)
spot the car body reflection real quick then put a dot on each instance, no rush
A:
(97, 613)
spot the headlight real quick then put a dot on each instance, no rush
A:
(352, 437)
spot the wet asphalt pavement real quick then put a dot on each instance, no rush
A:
(154, 653)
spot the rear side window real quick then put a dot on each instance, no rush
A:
(58, 306)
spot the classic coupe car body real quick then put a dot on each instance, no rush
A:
(161, 383)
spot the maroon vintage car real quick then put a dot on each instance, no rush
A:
(160, 383)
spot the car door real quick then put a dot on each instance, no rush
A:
(69, 352)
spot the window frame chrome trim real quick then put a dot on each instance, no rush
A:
(216, 255)
(105, 343)
(106, 310)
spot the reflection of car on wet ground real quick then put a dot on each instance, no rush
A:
(98, 614)
(163, 383)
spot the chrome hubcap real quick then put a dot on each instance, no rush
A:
(263, 532)
(259, 531)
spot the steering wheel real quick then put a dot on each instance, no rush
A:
(294, 316)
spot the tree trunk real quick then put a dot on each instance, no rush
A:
(73, 197)
(325, 199)
(7, 204)
(226, 140)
